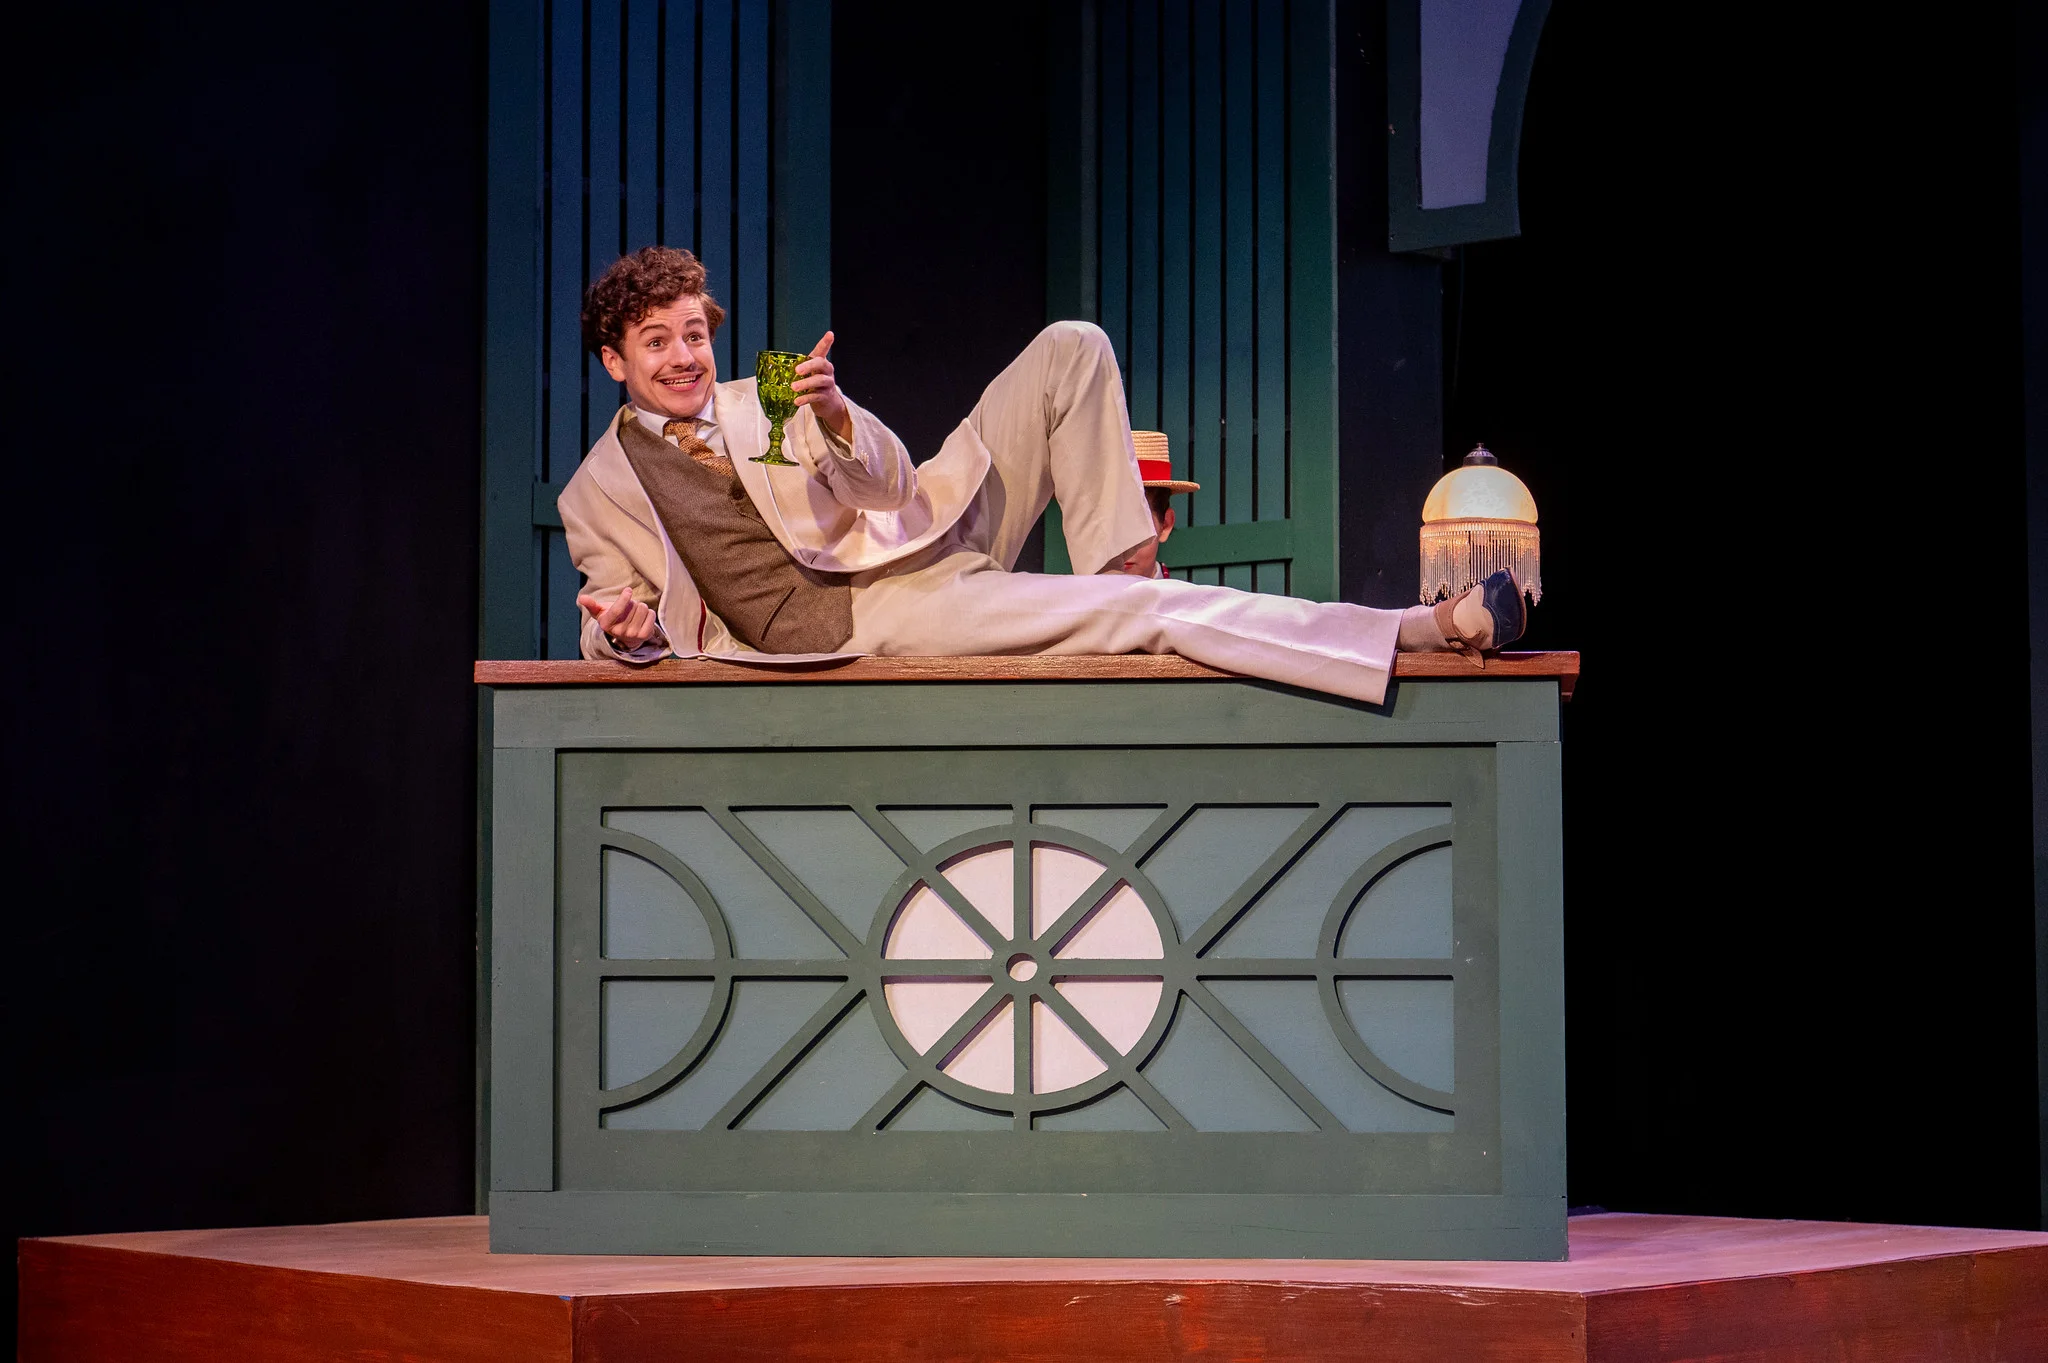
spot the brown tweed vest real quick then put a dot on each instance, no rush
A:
(767, 599)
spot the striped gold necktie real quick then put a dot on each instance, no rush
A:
(684, 430)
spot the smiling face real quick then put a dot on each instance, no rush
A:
(665, 360)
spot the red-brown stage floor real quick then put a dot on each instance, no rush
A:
(1637, 1288)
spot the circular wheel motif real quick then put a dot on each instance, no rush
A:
(1035, 985)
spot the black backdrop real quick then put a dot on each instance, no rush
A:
(1756, 354)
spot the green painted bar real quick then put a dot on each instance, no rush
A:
(641, 181)
(1176, 189)
(1270, 263)
(514, 364)
(1065, 1225)
(1240, 215)
(1143, 358)
(715, 139)
(1206, 316)
(603, 141)
(564, 373)
(1353, 1047)
(1312, 299)
(1114, 246)
(802, 155)
(679, 124)
(749, 289)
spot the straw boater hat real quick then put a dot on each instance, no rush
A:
(1155, 464)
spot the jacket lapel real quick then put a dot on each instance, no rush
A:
(613, 473)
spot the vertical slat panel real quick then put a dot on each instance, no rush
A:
(1270, 264)
(1270, 578)
(612, 126)
(564, 621)
(1113, 305)
(565, 242)
(1312, 298)
(1205, 421)
(1143, 359)
(679, 125)
(1176, 188)
(1238, 241)
(515, 355)
(802, 164)
(603, 138)
(642, 186)
(1238, 575)
(714, 174)
(1208, 577)
(750, 152)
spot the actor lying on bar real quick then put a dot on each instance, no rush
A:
(689, 547)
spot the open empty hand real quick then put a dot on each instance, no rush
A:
(625, 620)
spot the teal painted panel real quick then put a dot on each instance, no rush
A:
(765, 921)
(1214, 1084)
(1210, 855)
(1212, 215)
(679, 128)
(1406, 913)
(1117, 1110)
(1287, 1016)
(931, 1110)
(837, 857)
(1269, 272)
(1240, 218)
(765, 1015)
(647, 916)
(927, 828)
(1296, 1081)
(1408, 1024)
(843, 1076)
(564, 621)
(1288, 919)
(747, 287)
(603, 224)
(1206, 320)
(1116, 826)
(640, 183)
(645, 1023)
(716, 154)
(1141, 358)
(617, 124)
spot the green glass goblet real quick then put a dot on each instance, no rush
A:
(774, 372)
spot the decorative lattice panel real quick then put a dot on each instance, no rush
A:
(1010, 969)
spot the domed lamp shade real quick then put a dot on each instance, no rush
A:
(1478, 519)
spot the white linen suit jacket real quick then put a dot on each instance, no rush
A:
(834, 513)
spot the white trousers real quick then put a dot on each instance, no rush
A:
(1056, 425)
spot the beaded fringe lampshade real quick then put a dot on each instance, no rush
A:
(1478, 519)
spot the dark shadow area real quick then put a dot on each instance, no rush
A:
(1756, 354)
(938, 206)
(243, 273)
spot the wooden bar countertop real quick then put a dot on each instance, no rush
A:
(1560, 667)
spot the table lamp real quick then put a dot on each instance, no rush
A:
(1478, 519)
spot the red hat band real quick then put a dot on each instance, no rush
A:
(1154, 470)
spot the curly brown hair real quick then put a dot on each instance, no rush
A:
(635, 285)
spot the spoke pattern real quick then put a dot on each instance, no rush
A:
(949, 965)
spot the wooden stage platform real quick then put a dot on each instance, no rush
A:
(1637, 1288)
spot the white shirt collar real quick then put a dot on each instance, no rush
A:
(707, 414)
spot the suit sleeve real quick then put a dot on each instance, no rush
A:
(606, 571)
(872, 472)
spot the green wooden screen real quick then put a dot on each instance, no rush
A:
(1033, 968)
(615, 124)
(1194, 218)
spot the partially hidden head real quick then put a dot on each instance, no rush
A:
(649, 320)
